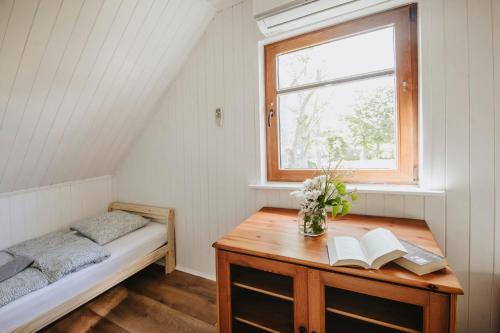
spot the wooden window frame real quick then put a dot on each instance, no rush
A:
(406, 83)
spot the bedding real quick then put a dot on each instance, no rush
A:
(124, 251)
(59, 254)
(11, 265)
(5, 258)
(36, 245)
(107, 227)
(21, 284)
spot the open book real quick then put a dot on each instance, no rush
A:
(376, 248)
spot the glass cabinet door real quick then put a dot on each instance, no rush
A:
(341, 303)
(260, 295)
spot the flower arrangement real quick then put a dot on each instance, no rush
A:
(316, 195)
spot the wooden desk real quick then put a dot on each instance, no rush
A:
(265, 263)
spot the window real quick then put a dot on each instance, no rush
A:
(345, 93)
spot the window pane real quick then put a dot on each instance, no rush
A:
(359, 54)
(353, 122)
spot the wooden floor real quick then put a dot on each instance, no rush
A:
(149, 301)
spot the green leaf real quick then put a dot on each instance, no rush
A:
(346, 207)
(341, 188)
(354, 196)
(335, 210)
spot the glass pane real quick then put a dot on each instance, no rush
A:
(359, 54)
(353, 122)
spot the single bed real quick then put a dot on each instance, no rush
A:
(129, 254)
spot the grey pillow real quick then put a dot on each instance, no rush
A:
(21, 284)
(70, 257)
(107, 227)
(58, 254)
(14, 266)
(36, 246)
(5, 258)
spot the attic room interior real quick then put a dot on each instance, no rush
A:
(309, 166)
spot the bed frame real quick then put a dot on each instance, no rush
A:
(157, 214)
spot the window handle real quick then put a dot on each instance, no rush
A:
(270, 114)
(405, 86)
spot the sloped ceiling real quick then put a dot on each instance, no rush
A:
(223, 4)
(78, 78)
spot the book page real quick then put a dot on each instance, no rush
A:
(379, 242)
(346, 248)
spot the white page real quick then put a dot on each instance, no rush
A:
(348, 248)
(378, 242)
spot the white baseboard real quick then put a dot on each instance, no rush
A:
(195, 272)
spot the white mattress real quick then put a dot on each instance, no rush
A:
(124, 250)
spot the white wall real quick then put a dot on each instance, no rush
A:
(31, 213)
(77, 77)
(184, 161)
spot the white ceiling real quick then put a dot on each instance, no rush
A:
(78, 78)
(222, 4)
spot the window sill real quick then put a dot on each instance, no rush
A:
(361, 188)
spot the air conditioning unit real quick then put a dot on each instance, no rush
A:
(277, 16)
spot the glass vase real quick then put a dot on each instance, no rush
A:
(313, 223)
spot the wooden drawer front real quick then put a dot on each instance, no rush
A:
(341, 303)
(260, 295)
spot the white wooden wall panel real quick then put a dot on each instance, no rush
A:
(31, 213)
(457, 149)
(183, 159)
(172, 57)
(93, 44)
(43, 135)
(432, 86)
(68, 140)
(30, 62)
(211, 135)
(457, 132)
(139, 72)
(375, 204)
(94, 119)
(13, 47)
(79, 77)
(496, 85)
(5, 13)
(434, 215)
(15, 169)
(482, 185)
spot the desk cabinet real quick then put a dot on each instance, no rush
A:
(272, 279)
(262, 295)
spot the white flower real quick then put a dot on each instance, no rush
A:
(310, 192)
(312, 195)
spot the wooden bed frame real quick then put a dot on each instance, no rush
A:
(157, 214)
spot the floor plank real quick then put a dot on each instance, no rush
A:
(149, 301)
(183, 281)
(84, 320)
(192, 300)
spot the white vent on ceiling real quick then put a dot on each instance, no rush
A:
(276, 16)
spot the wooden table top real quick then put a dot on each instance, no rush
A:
(273, 233)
